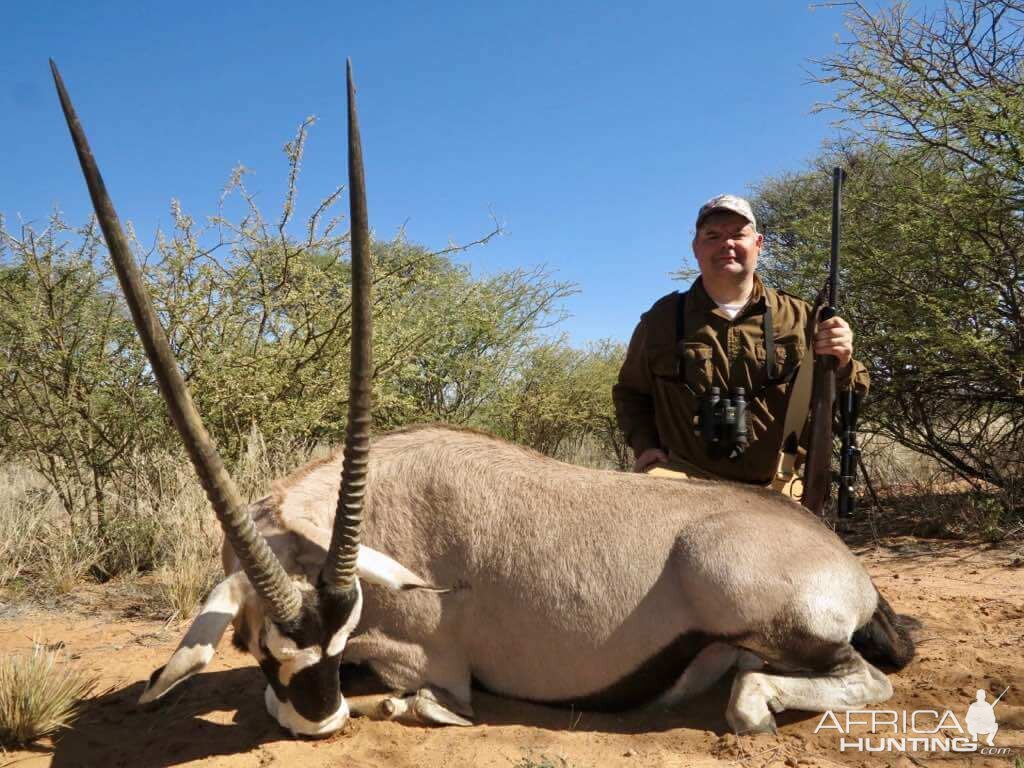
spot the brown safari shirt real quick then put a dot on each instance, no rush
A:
(660, 386)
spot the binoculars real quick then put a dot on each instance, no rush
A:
(722, 423)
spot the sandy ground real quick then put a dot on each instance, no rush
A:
(970, 600)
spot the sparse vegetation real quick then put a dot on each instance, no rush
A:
(39, 695)
(96, 484)
(172, 534)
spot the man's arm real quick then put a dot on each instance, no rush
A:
(634, 405)
(854, 376)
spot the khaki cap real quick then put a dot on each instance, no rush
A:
(730, 203)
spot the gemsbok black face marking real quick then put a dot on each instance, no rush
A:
(302, 664)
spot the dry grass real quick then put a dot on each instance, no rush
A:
(39, 695)
(68, 556)
(189, 562)
(916, 496)
(25, 503)
(163, 529)
(586, 452)
(890, 464)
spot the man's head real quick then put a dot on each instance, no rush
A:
(727, 243)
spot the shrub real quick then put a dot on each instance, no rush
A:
(39, 695)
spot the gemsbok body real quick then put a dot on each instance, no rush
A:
(445, 558)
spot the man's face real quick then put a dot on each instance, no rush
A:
(726, 244)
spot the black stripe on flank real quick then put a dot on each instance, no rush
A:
(645, 683)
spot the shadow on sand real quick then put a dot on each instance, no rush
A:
(114, 731)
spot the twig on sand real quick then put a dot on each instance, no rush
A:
(743, 760)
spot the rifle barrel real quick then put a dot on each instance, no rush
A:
(838, 176)
(817, 468)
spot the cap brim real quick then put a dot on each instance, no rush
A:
(723, 209)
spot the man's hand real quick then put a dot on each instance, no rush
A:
(834, 337)
(647, 458)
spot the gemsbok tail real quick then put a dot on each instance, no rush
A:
(885, 640)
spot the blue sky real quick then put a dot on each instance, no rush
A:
(592, 131)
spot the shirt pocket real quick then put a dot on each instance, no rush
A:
(698, 370)
(688, 363)
(787, 358)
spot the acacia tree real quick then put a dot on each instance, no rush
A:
(919, 290)
(467, 340)
(262, 331)
(259, 321)
(933, 238)
(76, 398)
(938, 84)
(559, 398)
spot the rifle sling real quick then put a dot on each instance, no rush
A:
(798, 405)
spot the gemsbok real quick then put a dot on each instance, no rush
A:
(529, 577)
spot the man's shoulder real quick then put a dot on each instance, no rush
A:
(668, 300)
(787, 307)
(664, 307)
(787, 298)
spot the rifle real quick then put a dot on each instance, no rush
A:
(818, 467)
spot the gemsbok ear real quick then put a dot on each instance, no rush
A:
(197, 647)
(371, 566)
(377, 568)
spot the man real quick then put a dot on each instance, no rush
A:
(733, 334)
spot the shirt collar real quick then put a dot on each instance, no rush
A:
(757, 302)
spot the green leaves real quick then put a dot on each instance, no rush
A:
(933, 249)
(260, 324)
(72, 377)
(559, 402)
(258, 317)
